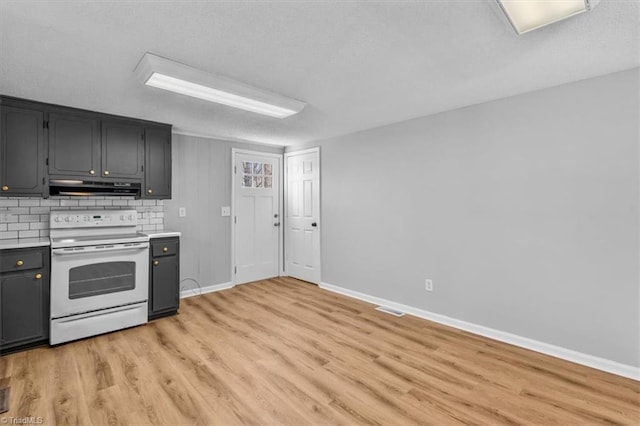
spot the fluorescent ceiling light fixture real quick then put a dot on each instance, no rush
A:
(166, 74)
(528, 15)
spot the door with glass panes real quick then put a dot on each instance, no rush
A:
(256, 220)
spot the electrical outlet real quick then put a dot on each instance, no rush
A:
(225, 211)
(182, 211)
(428, 285)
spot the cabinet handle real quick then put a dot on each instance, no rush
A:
(149, 191)
(165, 249)
(156, 263)
(92, 172)
(106, 172)
(19, 263)
(38, 276)
(5, 188)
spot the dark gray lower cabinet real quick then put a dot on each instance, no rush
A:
(164, 277)
(24, 298)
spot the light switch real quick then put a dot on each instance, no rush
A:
(182, 211)
(225, 211)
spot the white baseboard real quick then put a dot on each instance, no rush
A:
(502, 336)
(204, 290)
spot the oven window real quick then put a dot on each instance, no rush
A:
(101, 278)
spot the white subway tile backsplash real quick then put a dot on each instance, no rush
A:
(39, 210)
(28, 202)
(28, 234)
(19, 210)
(9, 218)
(18, 227)
(29, 217)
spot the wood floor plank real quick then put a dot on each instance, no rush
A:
(284, 352)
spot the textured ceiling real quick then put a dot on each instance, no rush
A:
(358, 64)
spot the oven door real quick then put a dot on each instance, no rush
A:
(85, 279)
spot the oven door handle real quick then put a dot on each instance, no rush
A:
(99, 249)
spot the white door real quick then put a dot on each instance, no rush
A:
(302, 221)
(256, 216)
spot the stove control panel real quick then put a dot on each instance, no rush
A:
(92, 218)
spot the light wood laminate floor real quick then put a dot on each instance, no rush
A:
(285, 352)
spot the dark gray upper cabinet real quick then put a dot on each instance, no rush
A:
(122, 149)
(21, 150)
(41, 141)
(74, 144)
(157, 173)
(24, 299)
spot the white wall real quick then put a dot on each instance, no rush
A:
(524, 212)
(202, 184)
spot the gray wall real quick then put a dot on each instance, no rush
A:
(202, 184)
(524, 212)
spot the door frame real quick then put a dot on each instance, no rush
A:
(279, 158)
(286, 196)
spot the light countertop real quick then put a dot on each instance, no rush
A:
(163, 234)
(24, 243)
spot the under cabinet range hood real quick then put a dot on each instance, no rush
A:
(86, 188)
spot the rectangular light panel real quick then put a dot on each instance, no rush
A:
(528, 15)
(183, 87)
(175, 77)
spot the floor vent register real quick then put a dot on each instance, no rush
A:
(390, 311)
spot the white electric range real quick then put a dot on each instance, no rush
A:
(99, 273)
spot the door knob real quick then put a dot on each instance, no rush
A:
(92, 172)
(314, 224)
(149, 191)
(106, 172)
(276, 224)
(19, 263)
(38, 276)
(5, 188)
(156, 263)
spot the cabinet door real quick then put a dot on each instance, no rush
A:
(164, 285)
(122, 149)
(74, 144)
(23, 308)
(21, 151)
(157, 172)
